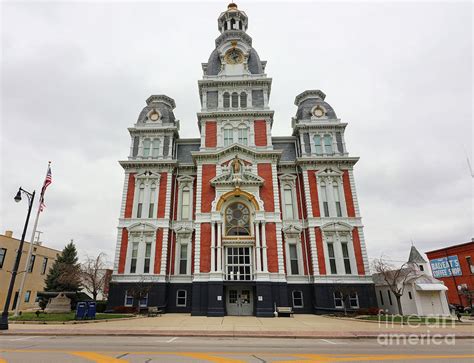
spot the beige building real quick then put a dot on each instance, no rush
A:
(42, 260)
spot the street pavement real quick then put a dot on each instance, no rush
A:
(51, 349)
(301, 325)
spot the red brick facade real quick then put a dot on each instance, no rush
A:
(320, 251)
(313, 188)
(260, 133)
(123, 251)
(348, 194)
(208, 192)
(205, 247)
(162, 195)
(358, 251)
(130, 192)
(158, 249)
(211, 134)
(266, 191)
(272, 252)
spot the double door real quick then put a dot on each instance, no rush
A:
(239, 301)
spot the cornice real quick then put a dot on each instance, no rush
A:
(235, 148)
(227, 114)
(328, 160)
(247, 81)
(131, 164)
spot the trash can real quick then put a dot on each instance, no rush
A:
(81, 310)
(91, 309)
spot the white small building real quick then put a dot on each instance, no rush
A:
(423, 295)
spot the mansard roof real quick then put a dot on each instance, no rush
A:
(163, 104)
(184, 149)
(308, 100)
(288, 147)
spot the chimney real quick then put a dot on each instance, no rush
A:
(9, 234)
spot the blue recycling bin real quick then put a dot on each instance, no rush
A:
(91, 309)
(81, 310)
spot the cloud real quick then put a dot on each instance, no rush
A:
(76, 75)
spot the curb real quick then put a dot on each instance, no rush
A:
(70, 322)
(229, 334)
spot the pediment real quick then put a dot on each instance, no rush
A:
(243, 178)
(329, 171)
(292, 231)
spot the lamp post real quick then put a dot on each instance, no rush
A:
(31, 197)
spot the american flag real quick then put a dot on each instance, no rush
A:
(47, 181)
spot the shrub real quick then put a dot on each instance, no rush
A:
(101, 306)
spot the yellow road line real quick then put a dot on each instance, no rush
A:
(211, 358)
(323, 358)
(98, 358)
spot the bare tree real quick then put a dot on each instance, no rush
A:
(396, 278)
(93, 274)
(140, 290)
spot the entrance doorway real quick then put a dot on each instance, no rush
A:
(239, 301)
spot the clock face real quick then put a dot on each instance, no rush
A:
(318, 112)
(234, 56)
(154, 116)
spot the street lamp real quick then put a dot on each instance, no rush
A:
(31, 197)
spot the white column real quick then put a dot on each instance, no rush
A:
(219, 247)
(264, 246)
(213, 247)
(257, 247)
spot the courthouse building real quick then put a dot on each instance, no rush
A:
(237, 221)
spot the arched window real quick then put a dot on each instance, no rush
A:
(237, 220)
(226, 100)
(235, 100)
(317, 144)
(146, 148)
(155, 148)
(228, 135)
(288, 198)
(243, 100)
(328, 144)
(232, 23)
(243, 135)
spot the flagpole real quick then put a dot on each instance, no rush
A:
(30, 250)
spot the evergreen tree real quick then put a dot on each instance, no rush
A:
(64, 275)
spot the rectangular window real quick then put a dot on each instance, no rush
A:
(409, 295)
(136, 142)
(181, 298)
(235, 100)
(185, 203)
(317, 145)
(128, 299)
(288, 197)
(243, 138)
(146, 264)
(324, 197)
(32, 263)
(381, 297)
(151, 208)
(141, 195)
(27, 296)
(3, 253)
(239, 266)
(155, 148)
(345, 255)
(133, 261)
(338, 300)
(468, 259)
(354, 300)
(328, 144)
(144, 301)
(183, 259)
(293, 259)
(389, 297)
(228, 136)
(332, 258)
(44, 266)
(297, 299)
(337, 200)
(146, 148)
(340, 146)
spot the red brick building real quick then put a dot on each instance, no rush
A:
(458, 274)
(237, 221)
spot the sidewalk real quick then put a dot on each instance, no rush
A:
(299, 326)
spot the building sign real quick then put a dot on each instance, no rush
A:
(441, 268)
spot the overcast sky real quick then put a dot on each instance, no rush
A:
(76, 75)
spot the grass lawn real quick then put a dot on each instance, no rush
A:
(407, 319)
(31, 316)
